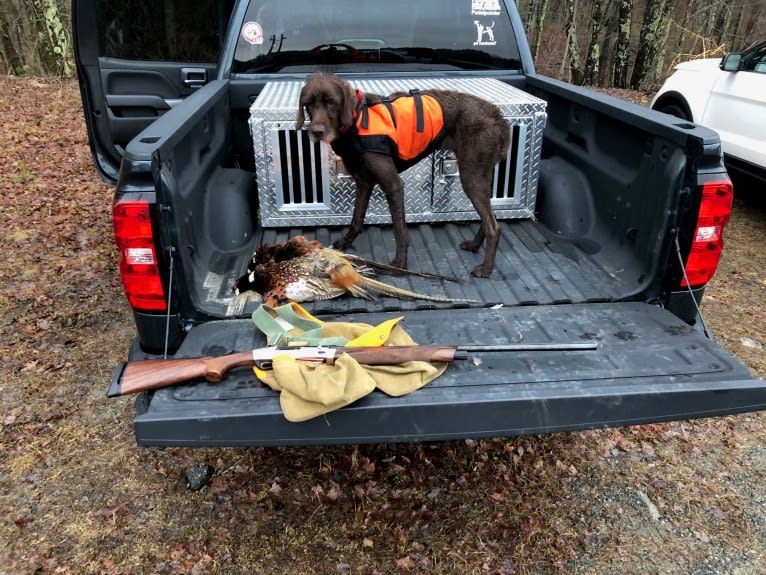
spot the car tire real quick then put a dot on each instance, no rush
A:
(674, 109)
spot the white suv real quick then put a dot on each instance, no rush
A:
(729, 96)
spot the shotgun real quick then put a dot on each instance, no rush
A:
(148, 374)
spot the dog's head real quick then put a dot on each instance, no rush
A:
(330, 103)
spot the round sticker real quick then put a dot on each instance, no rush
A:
(252, 33)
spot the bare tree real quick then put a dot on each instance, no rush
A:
(572, 52)
(539, 23)
(593, 57)
(652, 42)
(622, 49)
(53, 30)
(34, 37)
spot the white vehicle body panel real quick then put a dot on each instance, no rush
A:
(731, 102)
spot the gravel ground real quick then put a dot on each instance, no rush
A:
(78, 496)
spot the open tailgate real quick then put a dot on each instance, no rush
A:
(649, 366)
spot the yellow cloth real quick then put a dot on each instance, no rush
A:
(308, 389)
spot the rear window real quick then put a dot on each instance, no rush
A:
(291, 36)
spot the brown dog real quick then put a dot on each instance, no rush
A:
(471, 127)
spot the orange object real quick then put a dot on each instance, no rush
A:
(407, 128)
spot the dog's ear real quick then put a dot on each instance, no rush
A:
(300, 119)
(347, 103)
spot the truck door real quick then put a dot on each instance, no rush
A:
(136, 59)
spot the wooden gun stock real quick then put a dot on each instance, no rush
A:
(143, 375)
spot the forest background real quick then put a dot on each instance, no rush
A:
(604, 43)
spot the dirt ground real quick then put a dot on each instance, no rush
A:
(78, 496)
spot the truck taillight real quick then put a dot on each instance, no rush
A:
(138, 260)
(707, 244)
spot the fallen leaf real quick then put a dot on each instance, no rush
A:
(647, 448)
(332, 494)
(367, 542)
(404, 563)
(702, 536)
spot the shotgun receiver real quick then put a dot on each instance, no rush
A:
(144, 375)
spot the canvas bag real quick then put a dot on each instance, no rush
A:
(306, 389)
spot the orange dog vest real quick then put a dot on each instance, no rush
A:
(407, 128)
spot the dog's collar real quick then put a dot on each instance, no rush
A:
(359, 96)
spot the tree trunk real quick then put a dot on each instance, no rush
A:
(651, 42)
(529, 19)
(594, 44)
(734, 30)
(52, 33)
(683, 35)
(622, 49)
(572, 48)
(722, 19)
(662, 42)
(542, 10)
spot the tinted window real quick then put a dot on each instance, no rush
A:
(298, 35)
(170, 30)
(756, 60)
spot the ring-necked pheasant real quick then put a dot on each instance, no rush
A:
(303, 270)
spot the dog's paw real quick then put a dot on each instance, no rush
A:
(399, 263)
(481, 271)
(470, 246)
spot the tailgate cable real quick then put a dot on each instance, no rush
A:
(689, 288)
(170, 295)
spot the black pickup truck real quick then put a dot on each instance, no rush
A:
(611, 214)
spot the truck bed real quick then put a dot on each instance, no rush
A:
(533, 266)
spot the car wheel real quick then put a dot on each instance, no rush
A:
(674, 110)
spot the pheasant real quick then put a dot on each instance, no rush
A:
(304, 270)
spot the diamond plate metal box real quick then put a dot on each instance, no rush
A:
(304, 184)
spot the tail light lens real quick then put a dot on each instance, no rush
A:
(138, 260)
(707, 246)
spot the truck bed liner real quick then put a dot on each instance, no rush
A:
(533, 266)
(649, 366)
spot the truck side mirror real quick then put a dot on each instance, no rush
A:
(731, 62)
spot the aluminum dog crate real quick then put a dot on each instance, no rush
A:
(304, 184)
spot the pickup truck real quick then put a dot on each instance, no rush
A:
(612, 220)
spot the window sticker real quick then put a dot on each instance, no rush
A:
(485, 7)
(485, 35)
(252, 33)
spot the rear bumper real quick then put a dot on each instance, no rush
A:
(649, 367)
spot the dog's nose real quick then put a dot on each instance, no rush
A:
(317, 132)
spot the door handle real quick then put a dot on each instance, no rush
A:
(193, 77)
